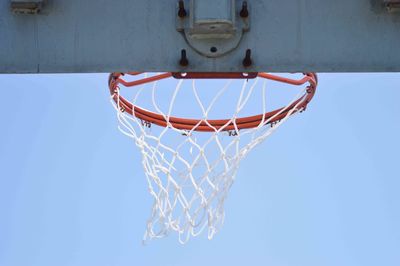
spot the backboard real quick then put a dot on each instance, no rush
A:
(65, 36)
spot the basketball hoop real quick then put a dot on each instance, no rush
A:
(191, 163)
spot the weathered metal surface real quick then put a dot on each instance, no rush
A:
(140, 35)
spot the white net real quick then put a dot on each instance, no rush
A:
(189, 173)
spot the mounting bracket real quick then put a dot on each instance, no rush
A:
(212, 28)
(392, 5)
(27, 6)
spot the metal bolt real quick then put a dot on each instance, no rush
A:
(182, 12)
(244, 13)
(183, 61)
(247, 59)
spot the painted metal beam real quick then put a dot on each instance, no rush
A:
(136, 35)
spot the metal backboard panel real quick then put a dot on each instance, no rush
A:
(142, 35)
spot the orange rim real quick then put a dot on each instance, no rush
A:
(211, 125)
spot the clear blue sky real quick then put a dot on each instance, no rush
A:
(323, 190)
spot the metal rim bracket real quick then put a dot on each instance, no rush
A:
(212, 28)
